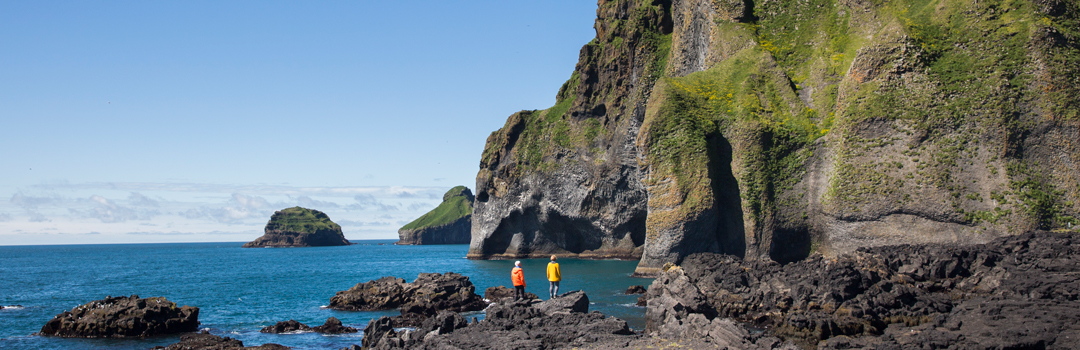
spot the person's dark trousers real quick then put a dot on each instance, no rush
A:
(519, 292)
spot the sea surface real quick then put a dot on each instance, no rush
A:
(241, 290)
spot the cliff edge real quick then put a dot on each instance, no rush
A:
(449, 223)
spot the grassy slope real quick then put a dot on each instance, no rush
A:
(448, 211)
(303, 220)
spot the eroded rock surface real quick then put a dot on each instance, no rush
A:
(500, 293)
(424, 297)
(1019, 292)
(123, 317)
(508, 325)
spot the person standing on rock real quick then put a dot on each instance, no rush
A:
(554, 276)
(517, 275)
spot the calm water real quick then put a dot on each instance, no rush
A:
(239, 291)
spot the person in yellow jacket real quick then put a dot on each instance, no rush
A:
(518, 277)
(554, 277)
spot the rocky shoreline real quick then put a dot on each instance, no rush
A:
(1018, 292)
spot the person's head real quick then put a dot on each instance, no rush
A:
(553, 258)
(517, 263)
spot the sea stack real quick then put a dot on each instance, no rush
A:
(449, 223)
(299, 227)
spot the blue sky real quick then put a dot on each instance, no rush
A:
(194, 121)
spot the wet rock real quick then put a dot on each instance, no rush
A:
(299, 227)
(1015, 292)
(333, 326)
(123, 317)
(635, 290)
(286, 327)
(575, 301)
(207, 341)
(499, 293)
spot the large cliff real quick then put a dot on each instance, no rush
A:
(774, 129)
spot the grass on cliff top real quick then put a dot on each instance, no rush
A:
(299, 219)
(448, 211)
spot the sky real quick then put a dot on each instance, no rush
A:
(193, 121)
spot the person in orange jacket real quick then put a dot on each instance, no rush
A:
(554, 276)
(517, 275)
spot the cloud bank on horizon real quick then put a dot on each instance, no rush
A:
(84, 213)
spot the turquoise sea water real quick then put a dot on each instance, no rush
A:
(239, 291)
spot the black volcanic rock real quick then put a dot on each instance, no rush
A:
(500, 293)
(285, 327)
(333, 326)
(424, 297)
(508, 325)
(449, 223)
(123, 317)
(635, 290)
(1017, 292)
(299, 227)
(207, 341)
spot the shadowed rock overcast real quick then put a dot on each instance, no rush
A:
(195, 121)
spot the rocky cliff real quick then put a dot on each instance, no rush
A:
(449, 223)
(299, 227)
(773, 129)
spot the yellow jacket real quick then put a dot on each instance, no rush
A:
(553, 273)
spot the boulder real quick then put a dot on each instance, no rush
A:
(207, 341)
(123, 317)
(286, 327)
(449, 291)
(635, 290)
(575, 301)
(499, 293)
(299, 227)
(449, 223)
(333, 326)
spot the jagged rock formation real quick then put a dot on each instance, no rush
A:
(500, 293)
(120, 317)
(1017, 292)
(332, 326)
(299, 227)
(424, 297)
(207, 341)
(509, 325)
(449, 223)
(772, 130)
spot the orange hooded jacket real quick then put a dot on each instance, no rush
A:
(518, 276)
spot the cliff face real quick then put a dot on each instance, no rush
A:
(782, 128)
(449, 223)
(299, 227)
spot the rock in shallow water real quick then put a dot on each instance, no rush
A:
(123, 317)
(207, 341)
(299, 227)
(424, 297)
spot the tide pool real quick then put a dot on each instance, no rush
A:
(240, 290)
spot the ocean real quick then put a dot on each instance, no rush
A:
(241, 290)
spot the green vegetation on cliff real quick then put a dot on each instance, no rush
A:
(456, 204)
(297, 219)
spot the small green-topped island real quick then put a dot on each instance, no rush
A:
(449, 223)
(299, 227)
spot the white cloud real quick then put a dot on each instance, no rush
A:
(139, 200)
